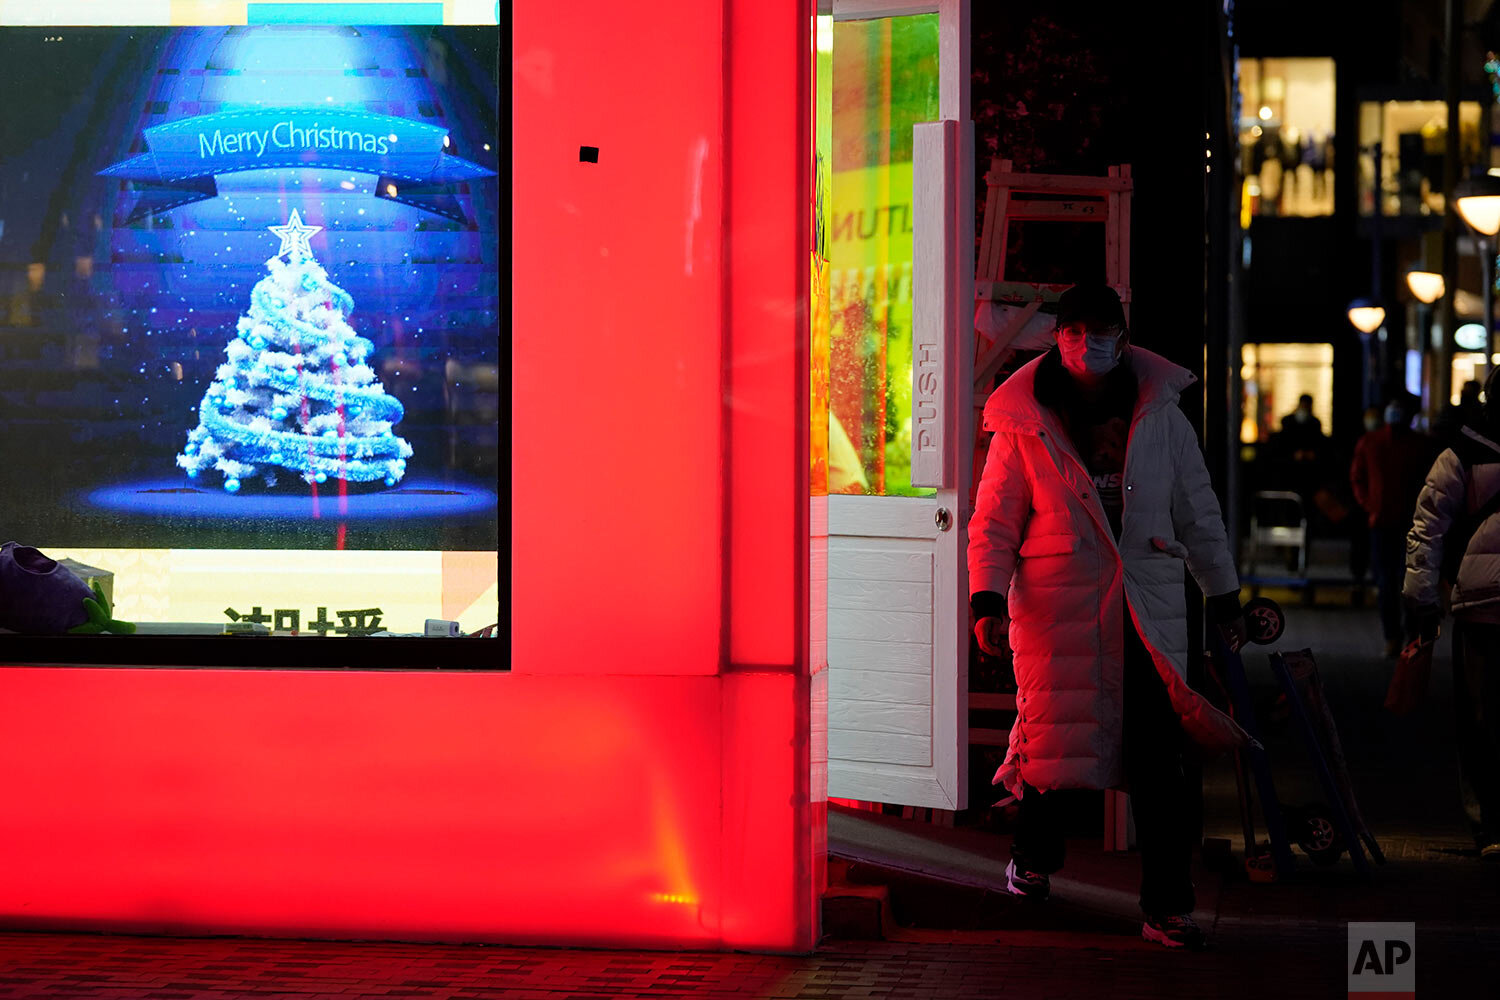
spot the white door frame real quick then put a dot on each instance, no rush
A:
(944, 295)
(953, 43)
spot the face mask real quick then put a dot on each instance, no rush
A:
(1302, 416)
(1093, 355)
(1393, 414)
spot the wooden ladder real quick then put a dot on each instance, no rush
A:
(1020, 197)
(1017, 197)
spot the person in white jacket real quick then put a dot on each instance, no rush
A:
(1094, 495)
(1457, 509)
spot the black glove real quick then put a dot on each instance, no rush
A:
(988, 604)
(1221, 609)
(1225, 614)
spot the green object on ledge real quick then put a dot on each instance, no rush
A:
(100, 616)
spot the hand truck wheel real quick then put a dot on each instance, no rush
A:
(1318, 837)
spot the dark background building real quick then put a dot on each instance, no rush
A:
(1303, 267)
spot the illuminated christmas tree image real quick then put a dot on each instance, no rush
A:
(296, 393)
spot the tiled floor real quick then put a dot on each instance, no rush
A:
(1280, 956)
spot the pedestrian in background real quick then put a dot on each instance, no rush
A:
(1453, 419)
(1456, 533)
(1302, 432)
(1094, 494)
(1300, 452)
(1359, 527)
(1390, 464)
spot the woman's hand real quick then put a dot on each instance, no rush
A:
(1235, 634)
(1226, 614)
(992, 634)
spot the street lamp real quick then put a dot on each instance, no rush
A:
(1366, 315)
(1478, 202)
(1427, 286)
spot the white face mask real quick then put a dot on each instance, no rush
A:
(1091, 355)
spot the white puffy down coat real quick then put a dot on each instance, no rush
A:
(1040, 536)
(1449, 494)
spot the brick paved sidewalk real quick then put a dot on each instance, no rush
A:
(58, 967)
(1277, 941)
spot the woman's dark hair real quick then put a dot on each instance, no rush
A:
(1091, 304)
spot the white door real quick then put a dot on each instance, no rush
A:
(901, 250)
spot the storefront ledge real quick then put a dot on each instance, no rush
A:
(262, 652)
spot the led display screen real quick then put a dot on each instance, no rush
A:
(249, 287)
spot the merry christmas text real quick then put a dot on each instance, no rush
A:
(285, 136)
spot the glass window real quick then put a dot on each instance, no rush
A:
(1286, 136)
(1275, 377)
(1413, 140)
(1468, 366)
(249, 285)
(823, 468)
(885, 80)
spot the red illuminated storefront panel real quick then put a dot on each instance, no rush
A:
(643, 775)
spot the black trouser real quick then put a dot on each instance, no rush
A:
(1388, 559)
(1159, 795)
(1476, 699)
(1359, 545)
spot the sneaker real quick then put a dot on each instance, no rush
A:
(1032, 885)
(1490, 852)
(1180, 931)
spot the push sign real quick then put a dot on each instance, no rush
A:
(1382, 960)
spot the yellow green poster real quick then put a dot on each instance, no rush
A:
(885, 79)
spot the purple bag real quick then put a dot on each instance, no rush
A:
(38, 595)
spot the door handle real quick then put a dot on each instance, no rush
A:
(941, 258)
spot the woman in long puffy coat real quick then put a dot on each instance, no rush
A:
(1093, 497)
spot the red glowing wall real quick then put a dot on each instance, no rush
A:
(645, 774)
